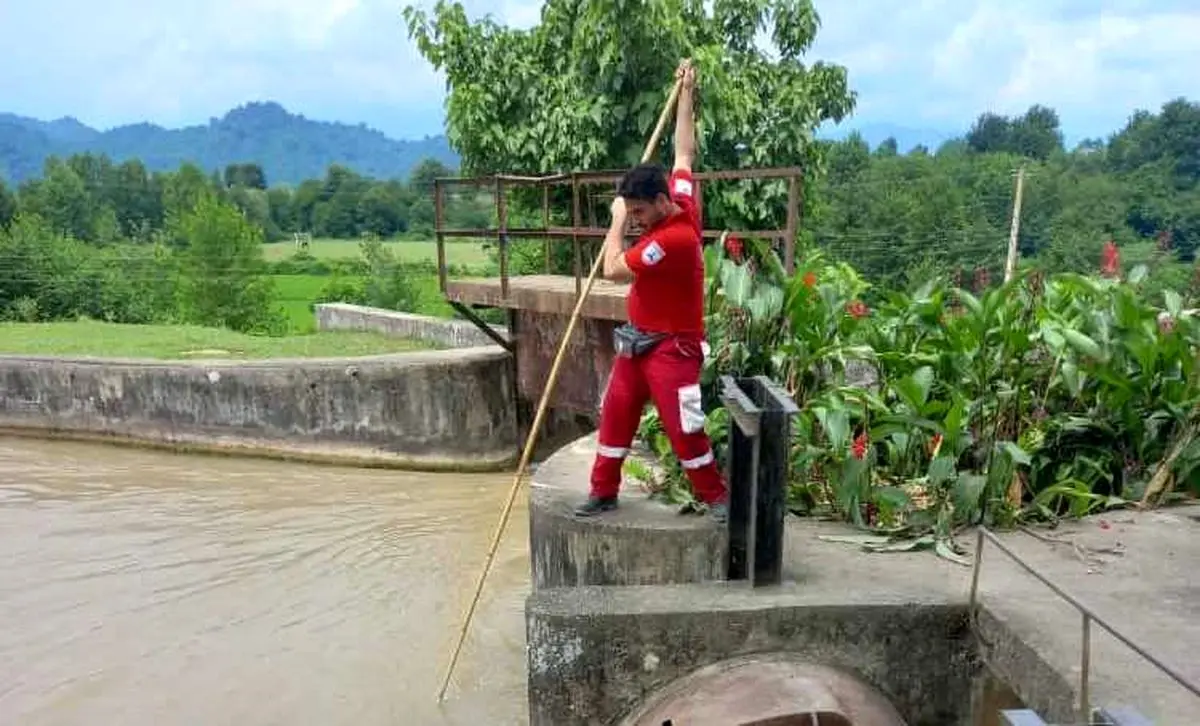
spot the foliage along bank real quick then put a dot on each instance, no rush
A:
(1047, 396)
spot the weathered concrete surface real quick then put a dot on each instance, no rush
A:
(585, 366)
(605, 630)
(442, 332)
(432, 410)
(899, 621)
(596, 653)
(778, 688)
(1134, 569)
(644, 542)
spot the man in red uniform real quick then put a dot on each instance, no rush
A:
(660, 352)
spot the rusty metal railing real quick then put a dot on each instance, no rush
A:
(1088, 616)
(578, 231)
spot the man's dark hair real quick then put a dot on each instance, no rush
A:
(644, 183)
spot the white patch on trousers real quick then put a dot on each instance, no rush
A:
(691, 409)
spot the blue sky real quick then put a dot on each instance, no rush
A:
(918, 64)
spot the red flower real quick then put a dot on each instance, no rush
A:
(734, 248)
(858, 449)
(810, 279)
(1110, 260)
(935, 445)
(858, 309)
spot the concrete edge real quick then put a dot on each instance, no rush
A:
(452, 332)
(1016, 662)
(405, 359)
(619, 601)
(263, 449)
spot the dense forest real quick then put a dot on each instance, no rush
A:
(897, 217)
(289, 147)
(94, 199)
(1139, 189)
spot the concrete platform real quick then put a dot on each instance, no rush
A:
(555, 294)
(644, 542)
(1134, 569)
(600, 643)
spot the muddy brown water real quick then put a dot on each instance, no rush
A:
(141, 587)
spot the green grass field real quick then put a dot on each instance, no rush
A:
(458, 252)
(108, 340)
(296, 294)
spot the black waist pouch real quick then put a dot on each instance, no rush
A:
(629, 342)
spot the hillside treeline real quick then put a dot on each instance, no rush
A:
(898, 216)
(92, 199)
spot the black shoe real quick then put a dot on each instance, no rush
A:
(596, 505)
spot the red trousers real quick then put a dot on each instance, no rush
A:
(669, 375)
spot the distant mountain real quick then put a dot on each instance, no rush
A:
(289, 147)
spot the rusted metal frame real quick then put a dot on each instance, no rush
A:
(613, 175)
(1088, 616)
(575, 221)
(592, 249)
(600, 232)
(480, 323)
(546, 225)
(502, 235)
(607, 176)
(576, 231)
(793, 225)
(439, 232)
(487, 180)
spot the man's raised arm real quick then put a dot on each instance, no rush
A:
(685, 124)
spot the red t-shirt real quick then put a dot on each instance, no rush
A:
(667, 295)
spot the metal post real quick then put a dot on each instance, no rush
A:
(975, 571)
(502, 236)
(760, 436)
(546, 225)
(439, 224)
(575, 222)
(793, 225)
(742, 474)
(770, 496)
(1085, 662)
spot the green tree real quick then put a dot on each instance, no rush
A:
(224, 279)
(421, 179)
(582, 89)
(250, 176)
(8, 205)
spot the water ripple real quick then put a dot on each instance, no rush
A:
(159, 589)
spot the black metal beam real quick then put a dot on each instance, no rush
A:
(760, 415)
(469, 314)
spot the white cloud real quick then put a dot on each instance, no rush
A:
(942, 63)
(915, 63)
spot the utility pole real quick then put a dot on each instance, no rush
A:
(1010, 265)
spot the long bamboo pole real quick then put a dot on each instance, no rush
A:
(542, 405)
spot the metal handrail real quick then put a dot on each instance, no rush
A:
(1088, 615)
(577, 232)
